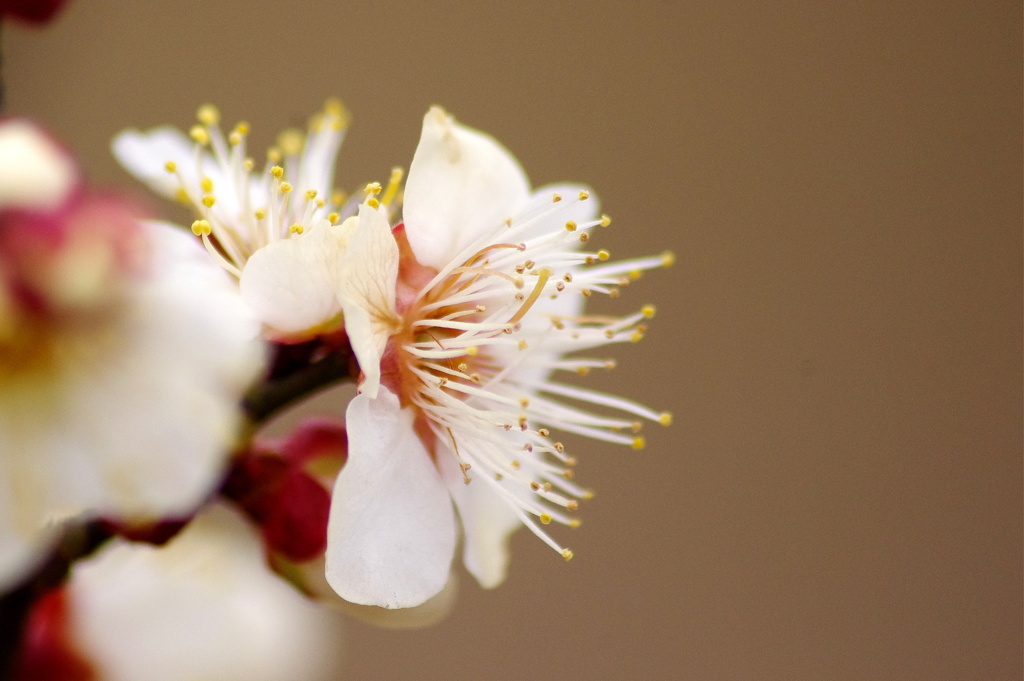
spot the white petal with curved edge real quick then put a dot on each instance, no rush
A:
(461, 184)
(391, 533)
(366, 291)
(290, 284)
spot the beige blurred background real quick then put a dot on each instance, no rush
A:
(840, 339)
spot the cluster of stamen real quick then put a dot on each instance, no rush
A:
(479, 346)
(240, 210)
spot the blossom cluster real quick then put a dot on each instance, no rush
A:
(140, 358)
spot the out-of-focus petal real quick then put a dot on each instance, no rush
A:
(203, 607)
(35, 173)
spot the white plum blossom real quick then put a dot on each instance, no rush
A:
(205, 606)
(124, 353)
(460, 355)
(275, 230)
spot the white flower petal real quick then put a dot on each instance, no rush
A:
(461, 183)
(145, 155)
(391, 534)
(138, 420)
(366, 290)
(205, 606)
(35, 173)
(290, 284)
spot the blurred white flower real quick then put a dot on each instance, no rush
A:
(457, 353)
(203, 607)
(275, 230)
(123, 356)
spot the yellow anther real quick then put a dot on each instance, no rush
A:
(472, 350)
(603, 254)
(208, 114)
(570, 226)
(291, 141)
(665, 418)
(242, 128)
(338, 115)
(171, 167)
(567, 474)
(320, 203)
(524, 402)
(373, 203)
(334, 107)
(277, 171)
(296, 229)
(310, 194)
(636, 337)
(586, 292)
(648, 311)
(610, 364)
(181, 196)
(201, 228)
(248, 164)
(235, 138)
(543, 432)
(199, 135)
(605, 221)
(518, 282)
(260, 213)
(463, 367)
(333, 217)
(584, 237)
(475, 377)
(274, 155)
(635, 274)
(522, 344)
(572, 505)
(207, 184)
(584, 195)
(613, 293)
(559, 447)
(668, 258)
(639, 443)
(545, 518)
(575, 522)
(535, 486)
(208, 201)
(567, 554)
(286, 187)
(373, 188)
(583, 371)
(556, 197)
(337, 197)
(508, 222)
